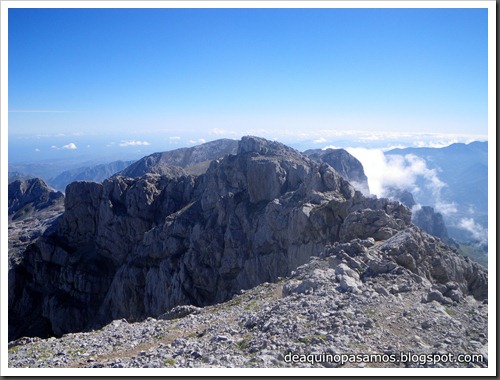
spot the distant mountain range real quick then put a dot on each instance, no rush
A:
(93, 173)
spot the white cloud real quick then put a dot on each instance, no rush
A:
(221, 132)
(133, 143)
(476, 230)
(199, 141)
(396, 171)
(37, 150)
(174, 138)
(330, 147)
(70, 146)
(217, 131)
(320, 140)
(446, 208)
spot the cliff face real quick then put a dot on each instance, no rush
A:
(345, 164)
(132, 248)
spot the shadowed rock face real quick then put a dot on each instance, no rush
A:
(132, 248)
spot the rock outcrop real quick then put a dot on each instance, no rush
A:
(345, 164)
(138, 247)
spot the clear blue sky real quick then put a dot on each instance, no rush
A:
(179, 75)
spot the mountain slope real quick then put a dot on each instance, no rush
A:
(195, 159)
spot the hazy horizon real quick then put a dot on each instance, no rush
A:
(106, 149)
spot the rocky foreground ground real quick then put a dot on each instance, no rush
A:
(353, 299)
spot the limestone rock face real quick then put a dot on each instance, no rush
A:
(255, 216)
(345, 164)
(138, 247)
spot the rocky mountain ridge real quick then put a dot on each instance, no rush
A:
(137, 247)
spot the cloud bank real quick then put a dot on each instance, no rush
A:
(396, 171)
(409, 172)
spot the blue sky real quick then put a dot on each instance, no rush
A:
(83, 81)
